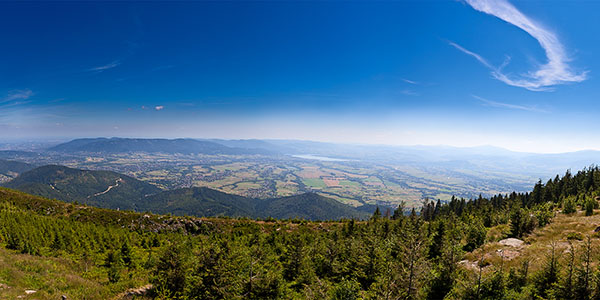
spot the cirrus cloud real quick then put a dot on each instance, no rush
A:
(17, 95)
(108, 66)
(554, 72)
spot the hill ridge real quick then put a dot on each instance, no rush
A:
(113, 190)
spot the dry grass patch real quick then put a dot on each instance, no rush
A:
(538, 244)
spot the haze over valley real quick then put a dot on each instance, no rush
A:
(291, 150)
(351, 174)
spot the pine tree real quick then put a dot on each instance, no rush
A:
(589, 207)
(583, 289)
(114, 264)
(172, 269)
(127, 254)
(547, 278)
(376, 215)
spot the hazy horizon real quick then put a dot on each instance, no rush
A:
(57, 140)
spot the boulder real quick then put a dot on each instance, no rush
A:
(512, 242)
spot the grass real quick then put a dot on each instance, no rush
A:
(349, 183)
(314, 182)
(49, 277)
(539, 243)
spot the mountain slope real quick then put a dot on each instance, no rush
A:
(200, 202)
(205, 202)
(308, 206)
(113, 190)
(98, 188)
(126, 145)
(10, 169)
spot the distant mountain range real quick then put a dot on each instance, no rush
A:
(169, 146)
(482, 157)
(108, 189)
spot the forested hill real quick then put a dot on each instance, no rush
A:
(98, 188)
(117, 191)
(10, 169)
(128, 145)
(205, 202)
(309, 206)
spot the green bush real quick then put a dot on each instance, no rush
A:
(575, 236)
(589, 207)
(569, 205)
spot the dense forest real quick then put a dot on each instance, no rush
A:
(400, 254)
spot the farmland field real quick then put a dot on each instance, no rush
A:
(354, 182)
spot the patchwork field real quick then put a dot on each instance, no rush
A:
(354, 182)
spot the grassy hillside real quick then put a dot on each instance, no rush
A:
(564, 231)
(98, 188)
(49, 277)
(55, 248)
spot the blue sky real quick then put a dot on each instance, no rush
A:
(518, 74)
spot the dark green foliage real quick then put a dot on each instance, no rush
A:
(308, 206)
(172, 270)
(523, 222)
(475, 234)
(11, 168)
(113, 190)
(200, 202)
(589, 206)
(546, 280)
(583, 288)
(517, 279)
(98, 188)
(575, 236)
(205, 202)
(346, 290)
(127, 254)
(114, 264)
(569, 205)
(376, 214)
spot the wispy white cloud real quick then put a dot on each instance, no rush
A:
(409, 81)
(159, 107)
(491, 103)
(5, 105)
(17, 95)
(555, 71)
(475, 55)
(108, 66)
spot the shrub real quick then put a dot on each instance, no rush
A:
(575, 236)
(589, 207)
(569, 205)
